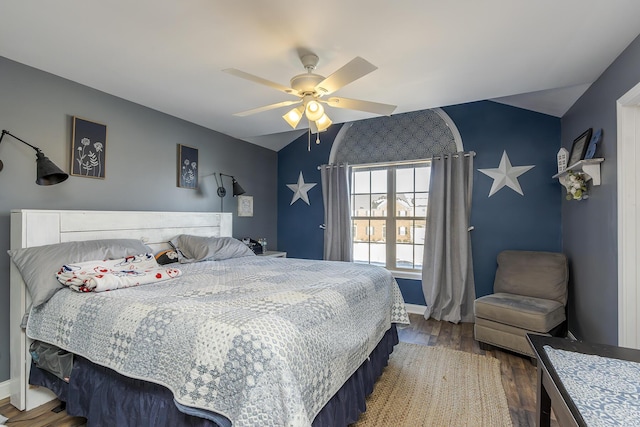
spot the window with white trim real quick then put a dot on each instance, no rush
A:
(389, 209)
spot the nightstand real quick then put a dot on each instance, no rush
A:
(275, 254)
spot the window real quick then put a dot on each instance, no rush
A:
(389, 209)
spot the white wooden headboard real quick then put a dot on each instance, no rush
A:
(31, 227)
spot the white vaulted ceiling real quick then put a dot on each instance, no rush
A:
(168, 55)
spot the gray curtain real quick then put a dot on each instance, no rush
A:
(337, 212)
(447, 272)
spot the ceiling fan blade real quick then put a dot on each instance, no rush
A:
(350, 72)
(261, 81)
(356, 104)
(266, 108)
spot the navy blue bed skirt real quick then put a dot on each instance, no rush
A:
(105, 397)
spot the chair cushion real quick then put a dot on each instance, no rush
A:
(534, 314)
(535, 274)
(514, 339)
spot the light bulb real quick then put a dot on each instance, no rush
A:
(323, 123)
(314, 110)
(293, 117)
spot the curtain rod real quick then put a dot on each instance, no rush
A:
(332, 166)
(467, 154)
(402, 162)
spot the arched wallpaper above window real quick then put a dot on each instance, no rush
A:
(408, 136)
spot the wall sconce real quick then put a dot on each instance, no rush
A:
(237, 189)
(47, 172)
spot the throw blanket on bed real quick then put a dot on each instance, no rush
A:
(100, 276)
(263, 341)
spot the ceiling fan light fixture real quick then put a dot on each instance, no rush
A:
(309, 88)
(294, 116)
(314, 110)
(323, 122)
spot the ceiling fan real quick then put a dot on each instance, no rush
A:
(310, 88)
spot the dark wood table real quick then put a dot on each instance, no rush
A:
(551, 391)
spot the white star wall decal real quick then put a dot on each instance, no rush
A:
(505, 174)
(300, 190)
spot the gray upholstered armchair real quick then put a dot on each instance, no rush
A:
(530, 295)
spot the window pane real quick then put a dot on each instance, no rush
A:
(404, 256)
(419, 228)
(379, 204)
(361, 182)
(360, 230)
(379, 181)
(418, 256)
(404, 227)
(361, 205)
(361, 252)
(404, 204)
(378, 254)
(423, 177)
(378, 228)
(404, 180)
(421, 201)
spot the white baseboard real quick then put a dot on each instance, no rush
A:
(415, 308)
(4, 389)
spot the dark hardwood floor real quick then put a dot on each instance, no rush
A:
(518, 376)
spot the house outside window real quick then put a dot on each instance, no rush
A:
(389, 208)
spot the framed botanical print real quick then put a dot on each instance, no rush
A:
(245, 205)
(187, 167)
(88, 148)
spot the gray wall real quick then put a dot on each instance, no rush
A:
(590, 227)
(140, 163)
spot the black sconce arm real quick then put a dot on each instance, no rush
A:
(21, 140)
(47, 172)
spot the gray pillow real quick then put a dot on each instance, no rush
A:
(198, 248)
(38, 265)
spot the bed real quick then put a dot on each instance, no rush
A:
(247, 340)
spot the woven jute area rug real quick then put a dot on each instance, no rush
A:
(437, 387)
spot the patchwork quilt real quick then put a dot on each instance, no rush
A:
(261, 340)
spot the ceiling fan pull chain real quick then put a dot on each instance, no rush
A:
(318, 138)
(309, 142)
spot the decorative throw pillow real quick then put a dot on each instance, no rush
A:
(167, 257)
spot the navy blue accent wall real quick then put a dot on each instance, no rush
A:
(411, 291)
(508, 220)
(299, 232)
(505, 220)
